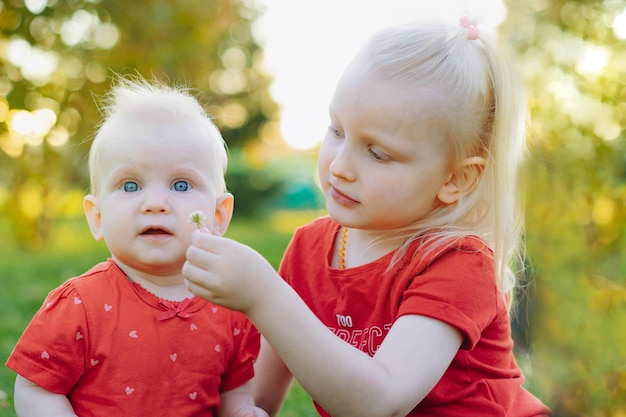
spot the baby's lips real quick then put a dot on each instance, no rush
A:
(155, 230)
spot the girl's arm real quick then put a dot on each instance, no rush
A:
(272, 379)
(239, 402)
(33, 400)
(342, 379)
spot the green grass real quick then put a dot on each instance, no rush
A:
(26, 277)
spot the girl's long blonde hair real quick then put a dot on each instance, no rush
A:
(476, 93)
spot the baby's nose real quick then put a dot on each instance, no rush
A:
(155, 201)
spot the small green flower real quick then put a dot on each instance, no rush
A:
(198, 218)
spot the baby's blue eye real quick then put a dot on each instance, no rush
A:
(180, 186)
(130, 187)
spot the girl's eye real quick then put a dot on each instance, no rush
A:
(379, 156)
(335, 132)
(130, 187)
(181, 186)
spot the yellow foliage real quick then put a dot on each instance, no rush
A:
(11, 145)
(604, 210)
(4, 109)
(607, 296)
(286, 221)
(30, 200)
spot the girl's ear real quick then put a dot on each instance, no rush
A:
(223, 213)
(463, 180)
(94, 218)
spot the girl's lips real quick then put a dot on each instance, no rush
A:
(341, 198)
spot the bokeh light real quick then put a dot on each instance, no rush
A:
(619, 25)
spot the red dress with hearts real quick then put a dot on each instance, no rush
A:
(115, 349)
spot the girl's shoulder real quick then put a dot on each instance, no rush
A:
(424, 254)
(472, 244)
(464, 244)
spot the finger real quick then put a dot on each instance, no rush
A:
(198, 290)
(202, 257)
(202, 238)
(197, 256)
(197, 274)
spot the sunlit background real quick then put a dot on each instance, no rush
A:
(266, 70)
(305, 64)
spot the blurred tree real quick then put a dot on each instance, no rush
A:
(56, 55)
(573, 58)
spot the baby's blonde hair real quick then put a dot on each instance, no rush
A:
(475, 92)
(157, 101)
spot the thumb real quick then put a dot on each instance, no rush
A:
(258, 412)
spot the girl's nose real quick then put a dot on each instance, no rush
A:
(342, 162)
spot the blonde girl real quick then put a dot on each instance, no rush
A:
(396, 303)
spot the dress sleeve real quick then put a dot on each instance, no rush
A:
(458, 288)
(51, 351)
(246, 344)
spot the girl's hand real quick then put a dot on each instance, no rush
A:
(226, 272)
(250, 412)
(239, 402)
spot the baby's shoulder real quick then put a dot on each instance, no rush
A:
(99, 280)
(70, 293)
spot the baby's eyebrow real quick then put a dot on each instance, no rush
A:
(122, 171)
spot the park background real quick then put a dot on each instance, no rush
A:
(57, 57)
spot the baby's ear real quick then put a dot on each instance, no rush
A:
(463, 180)
(94, 217)
(223, 213)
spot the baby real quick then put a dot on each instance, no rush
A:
(127, 338)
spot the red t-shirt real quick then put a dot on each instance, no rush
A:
(116, 349)
(456, 285)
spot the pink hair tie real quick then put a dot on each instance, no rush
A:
(471, 24)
